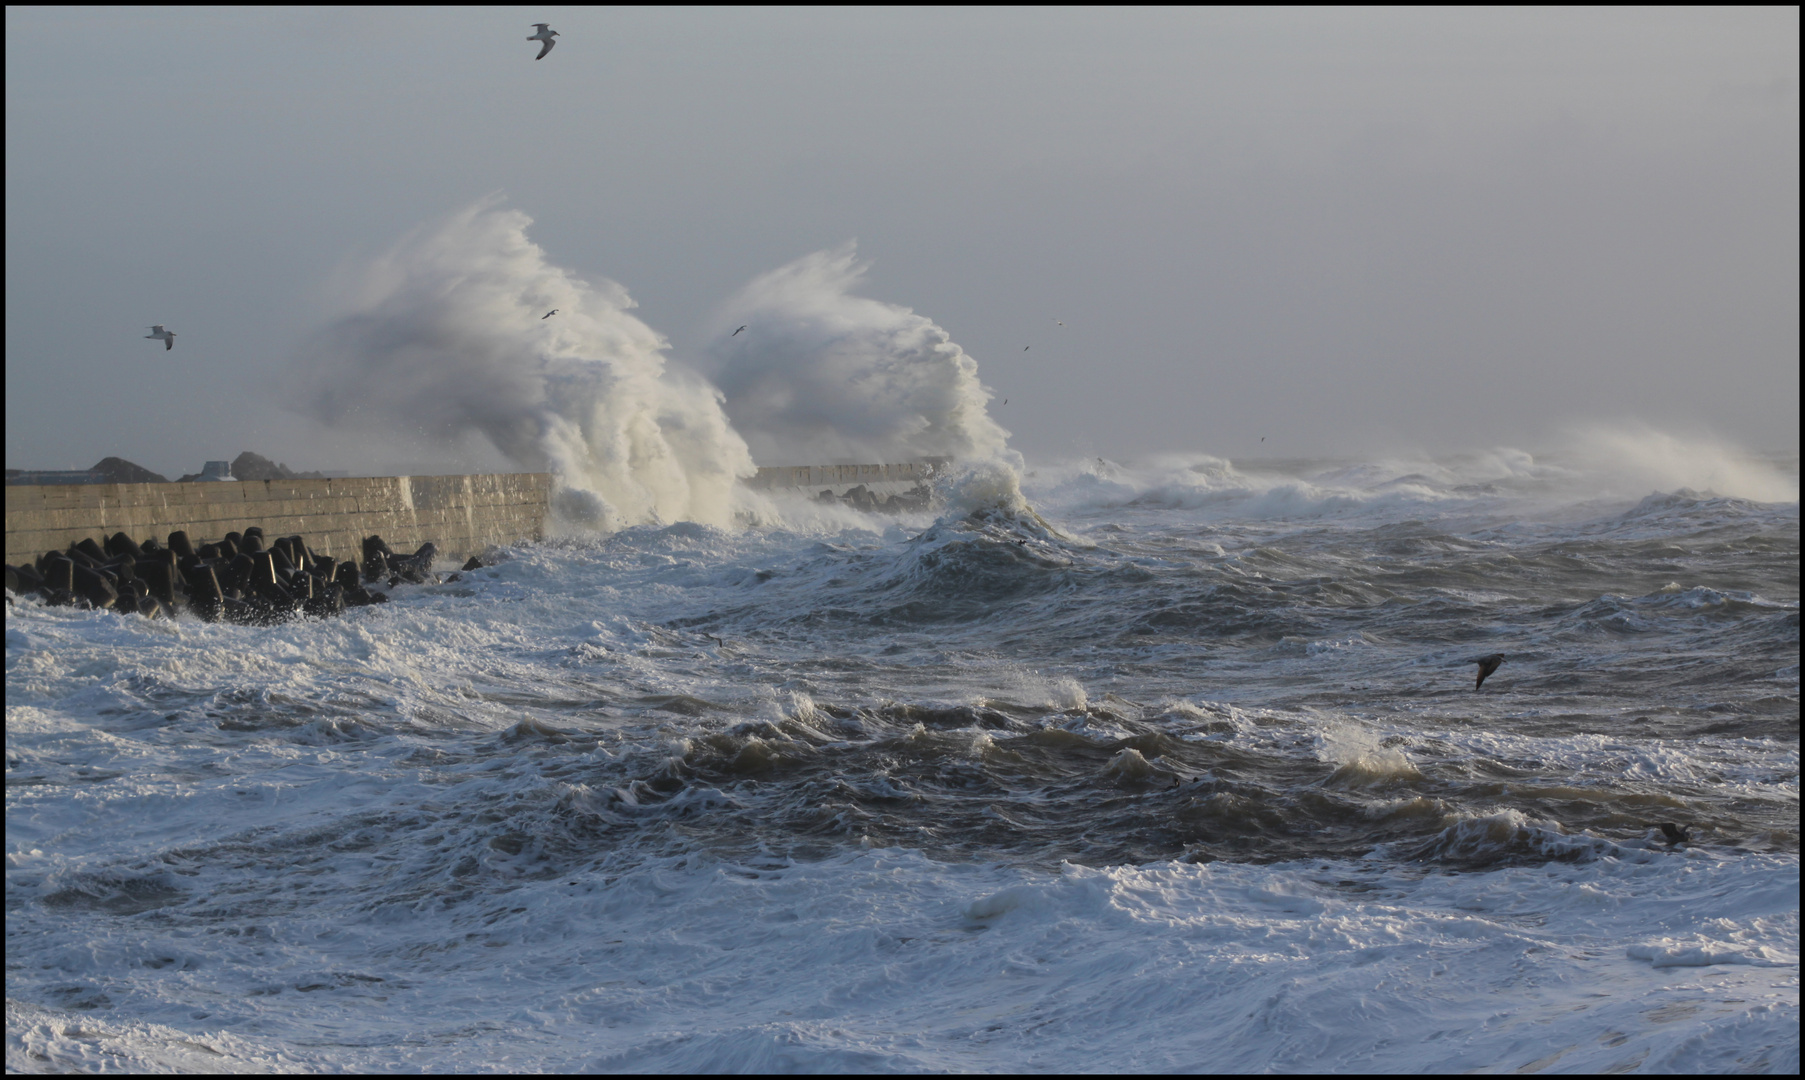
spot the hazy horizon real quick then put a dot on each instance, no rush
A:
(1341, 231)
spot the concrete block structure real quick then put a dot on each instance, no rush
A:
(462, 515)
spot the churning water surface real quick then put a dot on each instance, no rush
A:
(1182, 768)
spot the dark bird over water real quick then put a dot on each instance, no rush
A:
(736, 333)
(545, 34)
(548, 314)
(1675, 834)
(1487, 665)
(167, 337)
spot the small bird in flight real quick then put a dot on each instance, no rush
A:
(1262, 438)
(1057, 321)
(736, 333)
(548, 314)
(167, 337)
(545, 34)
(1487, 665)
(1005, 401)
(1025, 348)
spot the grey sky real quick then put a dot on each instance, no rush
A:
(1338, 229)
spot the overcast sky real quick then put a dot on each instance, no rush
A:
(1338, 229)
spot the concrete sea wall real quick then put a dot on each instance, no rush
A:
(461, 514)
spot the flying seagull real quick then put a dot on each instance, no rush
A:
(167, 337)
(1005, 401)
(1025, 348)
(548, 314)
(736, 333)
(1057, 321)
(1487, 665)
(545, 34)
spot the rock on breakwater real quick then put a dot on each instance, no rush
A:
(242, 577)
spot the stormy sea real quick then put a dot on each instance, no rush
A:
(1165, 765)
(1174, 763)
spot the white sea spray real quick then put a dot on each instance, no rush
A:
(820, 374)
(447, 334)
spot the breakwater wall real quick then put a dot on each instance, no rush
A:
(462, 515)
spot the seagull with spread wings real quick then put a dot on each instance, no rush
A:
(545, 34)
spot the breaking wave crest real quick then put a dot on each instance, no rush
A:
(1609, 464)
(820, 374)
(449, 335)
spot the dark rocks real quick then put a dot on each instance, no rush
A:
(121, 544)
(98, 589)
(474, 564)
(417, 567)
(242, 578)
(249, 466)
(920, 497)
(327, 599)
(236, 573)
(266, 581)
(127, 601)
(24, 579)
(59, 574)
(376, 558)
(204, 593)
(860, 497)
(380, 562)
(117, 470)
(159, 577)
